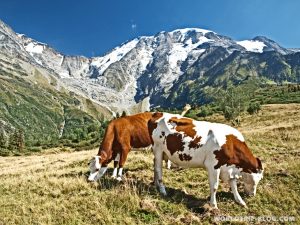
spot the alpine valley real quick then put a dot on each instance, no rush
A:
(44, 92)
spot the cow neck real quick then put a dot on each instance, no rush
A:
(236, 152)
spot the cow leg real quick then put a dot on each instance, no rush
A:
(213, 175)
(116, 162)
(169, 164)
(235, 192)
(122, 161)
(158, 157)
(167, 161)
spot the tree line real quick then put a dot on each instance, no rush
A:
(232, 100)
(14, 141)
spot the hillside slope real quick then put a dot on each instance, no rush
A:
(36, 110)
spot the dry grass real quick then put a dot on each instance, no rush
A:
(52, 188)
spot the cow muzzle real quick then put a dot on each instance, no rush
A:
(92, 177)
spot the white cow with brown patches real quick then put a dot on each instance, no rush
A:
(219, 148)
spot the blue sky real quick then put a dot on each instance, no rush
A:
(92, 27)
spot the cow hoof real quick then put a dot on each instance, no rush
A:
(119, 178)
(243, 204)
(113, 177)
(213, 207)
(163, 192)
(91, 181)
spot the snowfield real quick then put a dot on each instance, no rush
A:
(252, 46)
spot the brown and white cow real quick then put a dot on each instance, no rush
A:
(120, 137)
(219, 148)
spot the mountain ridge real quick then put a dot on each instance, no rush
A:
(150, 67)
(50, 98)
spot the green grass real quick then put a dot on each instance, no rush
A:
(52, 188)
(274, 94)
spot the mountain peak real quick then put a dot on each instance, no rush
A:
(3, 24)
(186, 30)
(5, 28)
(271, 45)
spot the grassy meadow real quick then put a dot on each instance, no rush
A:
(51, 187)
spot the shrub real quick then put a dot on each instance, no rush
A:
(232, 102)
(205, 111)
(254, 107)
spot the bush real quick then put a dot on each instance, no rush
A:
(234, 100)
(35, 149)
(254, 107)
(4, 152)
(205, 111)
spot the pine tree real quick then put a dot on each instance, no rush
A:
(20, 140)
(2, 140)
(12, 141)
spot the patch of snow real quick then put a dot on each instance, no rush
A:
(294, 49)
(64, 75)
(104, 62)
(39, 61)
(146, 37)
(62, 60)
(180, 51)
(145, 57)
(185, 30)
(34, 48)
(252, 46)
(198, 51)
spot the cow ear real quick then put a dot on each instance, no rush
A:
(97, 157)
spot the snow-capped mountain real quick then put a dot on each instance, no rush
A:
(158, 67)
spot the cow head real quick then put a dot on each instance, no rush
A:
(94, 168)
(251, 180)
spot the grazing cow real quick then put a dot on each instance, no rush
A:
(120, 136)
(219, 148)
